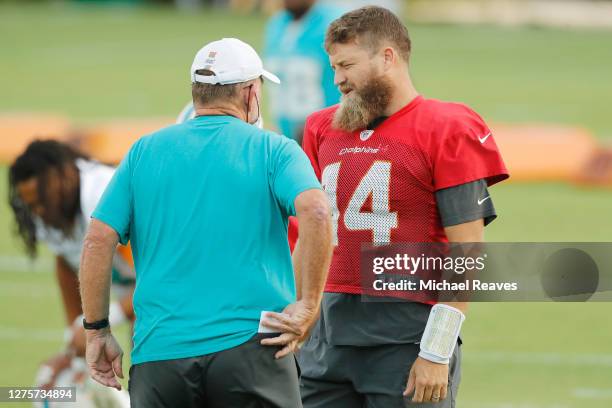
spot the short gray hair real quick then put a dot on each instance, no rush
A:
(205, 94)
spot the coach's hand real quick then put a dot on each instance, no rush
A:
(104, 357)
(428, 380)
(293, 324)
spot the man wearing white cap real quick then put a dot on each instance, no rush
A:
(205, 206)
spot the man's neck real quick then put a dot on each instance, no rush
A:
(220, 111)
(403, 93)
(299, 14)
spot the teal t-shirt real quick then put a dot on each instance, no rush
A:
(205, 206)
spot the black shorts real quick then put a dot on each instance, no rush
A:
(246, 376)
(364, 376)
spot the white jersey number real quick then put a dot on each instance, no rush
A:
(300, 92)
(375, 184)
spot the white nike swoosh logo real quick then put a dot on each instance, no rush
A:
(484, 138)
(483, 200)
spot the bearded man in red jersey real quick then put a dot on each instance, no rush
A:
(397, 167)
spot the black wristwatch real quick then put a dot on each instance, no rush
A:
(97, 325)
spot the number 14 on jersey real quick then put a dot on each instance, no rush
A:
(375, 184)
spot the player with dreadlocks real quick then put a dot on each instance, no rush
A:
(53, 189)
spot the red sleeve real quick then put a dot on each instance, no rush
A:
(292, 233)
(310, 144)
(466, 152)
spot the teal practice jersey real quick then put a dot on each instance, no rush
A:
(294, 51)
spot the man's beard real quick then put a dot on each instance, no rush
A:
(361, 107)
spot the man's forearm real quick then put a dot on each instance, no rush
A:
(95, 270)
(315, 257)
(68, 283)
(315, 248)
(469, 232)
(296, 259)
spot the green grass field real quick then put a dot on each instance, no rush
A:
(97, 63)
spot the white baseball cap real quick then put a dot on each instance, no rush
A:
(232, 61)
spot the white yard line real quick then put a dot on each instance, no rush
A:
(473, 404)
(486, 357)
(540, 358)
(27, 334)
(20, 263)
(592, 393)
(28, 290)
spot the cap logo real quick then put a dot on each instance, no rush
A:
(211, 57)
(365, 135)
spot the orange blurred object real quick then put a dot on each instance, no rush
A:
(108, 142)
(17, 130)
(125, 252)
(544, 152)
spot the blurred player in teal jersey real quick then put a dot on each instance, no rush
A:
(294, 49)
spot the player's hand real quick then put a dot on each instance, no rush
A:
(104, 357)
(56, 364)
(293, 323)
(428, 380)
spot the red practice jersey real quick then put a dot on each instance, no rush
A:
(381, 183)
